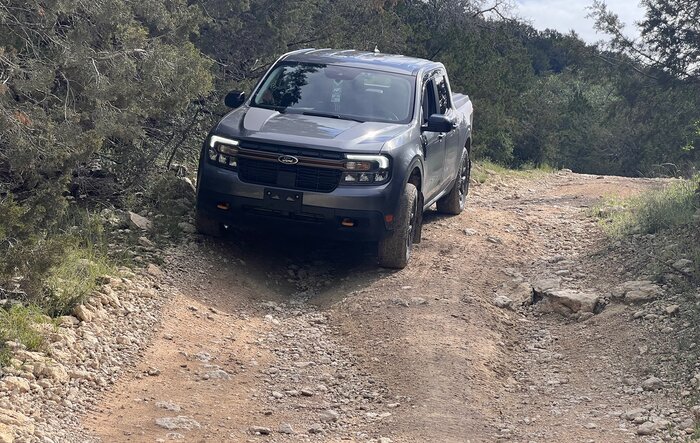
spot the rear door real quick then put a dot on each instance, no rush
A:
(453, 150)
(433, 142)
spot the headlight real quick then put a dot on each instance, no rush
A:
(366, 169)
(223, 151)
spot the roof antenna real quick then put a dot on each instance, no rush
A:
(376, 49)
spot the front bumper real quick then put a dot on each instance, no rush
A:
(222, 196)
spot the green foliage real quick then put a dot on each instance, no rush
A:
(18, 324)
(73, 279)
(671, 207)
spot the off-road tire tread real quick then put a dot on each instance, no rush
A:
(449, 204)
(392, 249)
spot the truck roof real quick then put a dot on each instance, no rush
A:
(371, 60)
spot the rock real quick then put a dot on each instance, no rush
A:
(646, 428)
(82, 313)
(522, 294)
(672, 309)
(168, 406)
(6, 435)
(502, 301)
(285, 428)
(470, 232)
(56, 372)
(260, 430)
(219, 374)
(494, 240)
(633, 414)
(316, 429)
(154, 270)
(546, 284)
(683, 265)
(179, 422)
(139, 222)
(187, 228)
(568, 301)
(652, 384)
(638, 291)
(18, 384)
(329, 416)
(385, 440)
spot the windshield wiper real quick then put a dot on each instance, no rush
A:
(338, 116)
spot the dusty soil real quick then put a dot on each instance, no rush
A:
(276, 339)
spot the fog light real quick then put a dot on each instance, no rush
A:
(348, 222)
(223, 206)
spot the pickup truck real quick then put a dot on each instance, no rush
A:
(355, 144)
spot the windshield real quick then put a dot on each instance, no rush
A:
(337, 92)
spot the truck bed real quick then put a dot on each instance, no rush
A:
(460, 100)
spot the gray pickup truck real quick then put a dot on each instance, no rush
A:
(356, 144)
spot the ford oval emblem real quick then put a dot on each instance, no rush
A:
(288, 159)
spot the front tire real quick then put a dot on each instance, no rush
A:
(454, 202)
(395, 248)
(207, 226)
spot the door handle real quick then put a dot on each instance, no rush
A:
(441, 136)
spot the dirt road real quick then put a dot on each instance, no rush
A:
(274, 339)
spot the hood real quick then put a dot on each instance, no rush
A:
(295, 129)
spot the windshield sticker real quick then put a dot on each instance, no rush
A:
(337, 91)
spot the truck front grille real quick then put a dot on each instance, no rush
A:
(273, 173)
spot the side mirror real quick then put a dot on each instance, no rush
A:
(234, 99)
(439, 123)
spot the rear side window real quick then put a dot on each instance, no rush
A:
(429, 102)
(443, 94)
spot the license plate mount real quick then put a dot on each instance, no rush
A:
(282, 200)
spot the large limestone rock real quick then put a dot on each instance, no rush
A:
(638, 291)
(568, 301)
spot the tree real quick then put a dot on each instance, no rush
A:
(670, 35)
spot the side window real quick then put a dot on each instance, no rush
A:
(443, 94)
(429, 104)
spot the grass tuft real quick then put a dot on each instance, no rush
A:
(18, 324)
(484, 169)
(69, 283)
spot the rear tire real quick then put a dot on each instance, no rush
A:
(395, 248)
(454, 202)
(208, 226)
